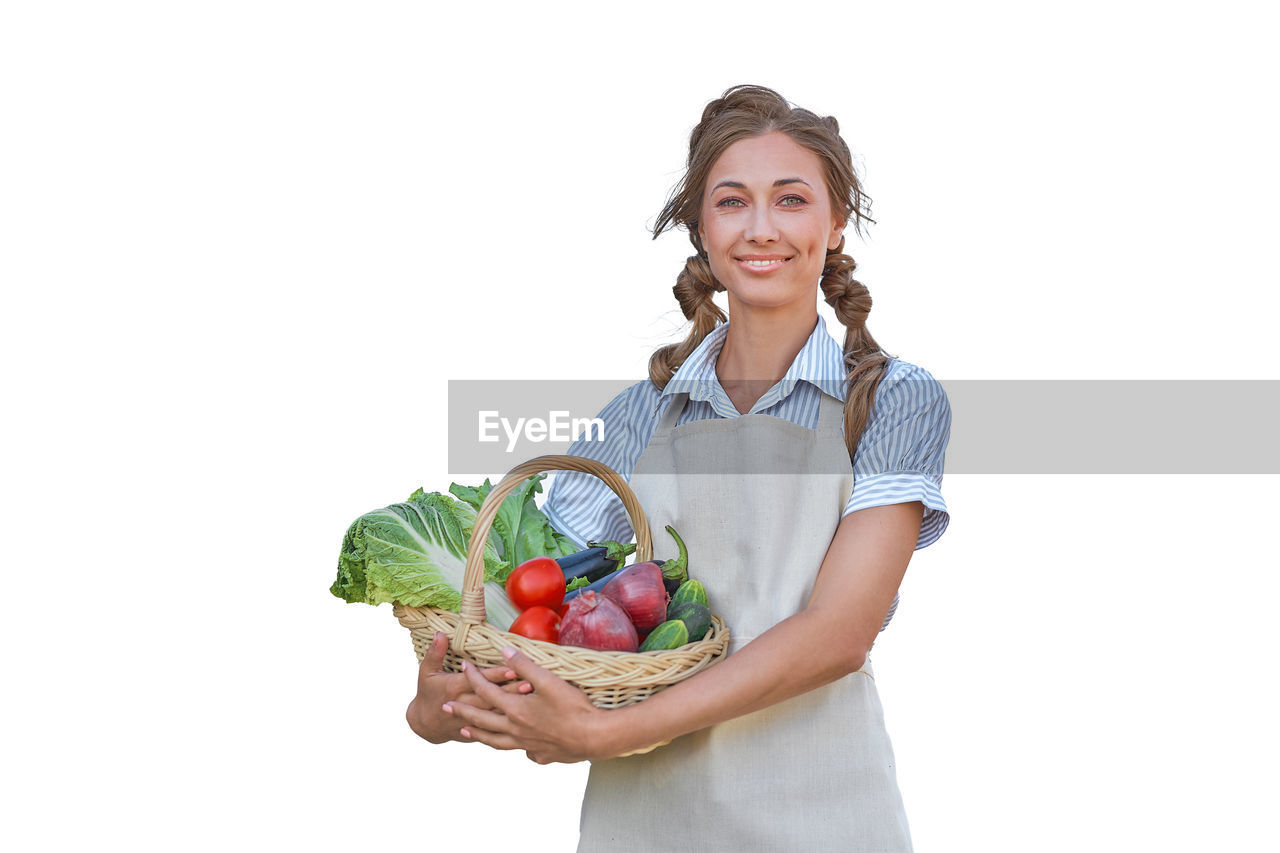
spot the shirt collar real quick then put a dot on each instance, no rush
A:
(820, 362)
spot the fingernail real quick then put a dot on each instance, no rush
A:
(525, 688)
(447, 708)
(511, 673)
(508, 652)
(466, 733)
(465, 666)
(439, 636)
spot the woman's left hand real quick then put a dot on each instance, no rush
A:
(556, 722)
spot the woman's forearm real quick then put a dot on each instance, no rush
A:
(797, 655)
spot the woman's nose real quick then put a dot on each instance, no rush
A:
(760, 225)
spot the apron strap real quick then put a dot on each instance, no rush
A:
(830, 413)
(672, 414)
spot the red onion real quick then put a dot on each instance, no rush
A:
(595, 622)
(639, 590)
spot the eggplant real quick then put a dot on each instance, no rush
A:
(596, 586)
(596, 561)
(591, 569)
(568, 561)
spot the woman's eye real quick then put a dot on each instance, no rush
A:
(786, 201)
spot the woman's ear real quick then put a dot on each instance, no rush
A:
(836, 237)
(702, 237)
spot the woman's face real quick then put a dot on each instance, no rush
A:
(767, 223)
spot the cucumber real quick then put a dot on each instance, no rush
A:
(696, 618)
(671, 634)
(689, 591)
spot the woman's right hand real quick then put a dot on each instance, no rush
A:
(436, 687)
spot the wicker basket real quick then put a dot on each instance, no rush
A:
(610, 679)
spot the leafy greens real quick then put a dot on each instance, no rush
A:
(520, 531)
(415, 552)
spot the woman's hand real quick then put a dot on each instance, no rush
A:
(436, 687)
(556, 722)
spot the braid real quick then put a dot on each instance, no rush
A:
(694, 289)
(865, 362)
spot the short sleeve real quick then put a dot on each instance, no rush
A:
(581, 506)
(903, 447)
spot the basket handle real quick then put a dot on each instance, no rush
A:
(472, 609)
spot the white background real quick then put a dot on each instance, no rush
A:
(245, 245)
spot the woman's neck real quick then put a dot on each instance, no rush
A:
(758, 350)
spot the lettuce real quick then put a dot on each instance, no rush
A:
(520, 531)
(416, 552)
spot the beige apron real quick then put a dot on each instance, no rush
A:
(757, 500)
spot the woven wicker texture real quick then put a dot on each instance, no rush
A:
(610, 679)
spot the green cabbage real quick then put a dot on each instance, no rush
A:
(416, 552)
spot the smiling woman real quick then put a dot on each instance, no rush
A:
(767, 238)
(764, 160)
(826, 463)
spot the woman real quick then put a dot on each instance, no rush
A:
(744, 440)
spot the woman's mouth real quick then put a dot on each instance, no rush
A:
(762, 264)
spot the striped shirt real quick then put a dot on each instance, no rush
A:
(899, 458)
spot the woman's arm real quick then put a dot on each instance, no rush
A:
(829, 639)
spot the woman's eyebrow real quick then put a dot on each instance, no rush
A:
(778, 183)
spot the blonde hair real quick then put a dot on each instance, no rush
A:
(740, 113)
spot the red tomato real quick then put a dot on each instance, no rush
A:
(536, 582)
(538, 623)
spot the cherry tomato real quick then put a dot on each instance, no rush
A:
(538, 623)
(536, 582)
